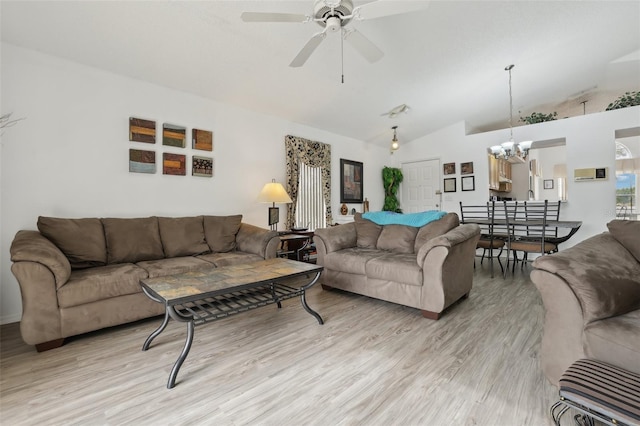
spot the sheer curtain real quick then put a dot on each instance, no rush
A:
(313, 154)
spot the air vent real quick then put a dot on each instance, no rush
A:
(581, 175)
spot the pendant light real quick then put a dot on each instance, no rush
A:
(394, 141)
(509, 150)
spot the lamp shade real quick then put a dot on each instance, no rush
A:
(273, 192)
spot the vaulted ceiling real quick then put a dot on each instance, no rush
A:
(446, 61)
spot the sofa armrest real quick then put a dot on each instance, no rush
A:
(32, 246)
(602, 274)
(335, 238)
(469, 233)
(256, 240)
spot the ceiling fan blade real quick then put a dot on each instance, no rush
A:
(363, 45)
(381, 8)
(273, 17)
(307, 50)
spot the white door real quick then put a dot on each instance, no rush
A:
(420, 183)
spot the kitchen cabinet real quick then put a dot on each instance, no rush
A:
(499, 174)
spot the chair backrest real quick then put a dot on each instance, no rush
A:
(474, 213)
(504, 213)
(542, 211)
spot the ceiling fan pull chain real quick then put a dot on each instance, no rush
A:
(342, 54)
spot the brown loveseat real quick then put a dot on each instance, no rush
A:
(428, 268)
(591, 295)
(80, 275)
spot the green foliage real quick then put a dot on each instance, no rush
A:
(629, 99)
(391, 179)
(538, 117)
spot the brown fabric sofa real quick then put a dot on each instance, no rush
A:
(427, 268)
(80, 275)
(591, 295)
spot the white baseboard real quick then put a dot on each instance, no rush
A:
(8, 319)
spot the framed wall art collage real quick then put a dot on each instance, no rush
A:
(173, 137)
(467, 182)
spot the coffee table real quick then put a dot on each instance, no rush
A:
(200, 297)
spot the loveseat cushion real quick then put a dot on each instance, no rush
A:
(615, 340)
(81, 240)
(397, 238)
(230, 258)
(132, 240)
(103, 282)
(397, 267)
(435, 229)
(352, 260)
(174, 265)
(627, 232)
(182, 236)
(221, 231)
(367, 232)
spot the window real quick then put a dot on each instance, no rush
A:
(310, 206)
(627, 172)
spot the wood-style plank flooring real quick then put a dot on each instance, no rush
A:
(371, 363)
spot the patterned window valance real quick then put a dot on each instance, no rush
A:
(313, 154)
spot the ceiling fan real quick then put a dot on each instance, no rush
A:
(333, 16)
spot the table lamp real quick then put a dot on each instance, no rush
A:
(273, 192)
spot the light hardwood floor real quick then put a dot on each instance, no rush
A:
(372, 363)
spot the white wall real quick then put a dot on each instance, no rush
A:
(590, 142)
(69, 157)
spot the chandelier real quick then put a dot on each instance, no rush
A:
(510, 150)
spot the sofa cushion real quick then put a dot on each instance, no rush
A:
(132, 240)
(174, 265)
(221, 231)
(397, 238)
(352, 260)
(435, 229)
(230, 258)
(397, 267)
(615, 340)
(627, 232)
(99, 283)
(182, 236)
(367, 232)
(81, 240)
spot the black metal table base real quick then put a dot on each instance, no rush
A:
(214, 308)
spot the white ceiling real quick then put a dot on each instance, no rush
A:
(446, 61)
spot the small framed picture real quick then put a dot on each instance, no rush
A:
(450, 185)
(468, 183)
(466, 168)
(548, 184)
(449, 168)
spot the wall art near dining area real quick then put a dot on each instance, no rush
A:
(141, 130)
(450, 185)
(202, 166)
(468, 183)
(174, 164)
(202, 140)
(142, 161)
(173, 135)
(449, 168)
(466, 168)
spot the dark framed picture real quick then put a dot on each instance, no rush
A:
(450, 185)
(468, 183)
(466, 168)
(350, 181)
(548, 184)
(449, 168)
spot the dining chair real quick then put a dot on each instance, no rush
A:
(529, 231)
(483, 216)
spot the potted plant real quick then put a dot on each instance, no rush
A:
(629, 99)
(391, 179)
(538, 117)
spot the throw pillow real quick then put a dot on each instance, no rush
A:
(221, 231)
(132, 240)
(435, 229)
(182, 236)
(81, 240)
(367, 232)
(627, 233)
(397, 238)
